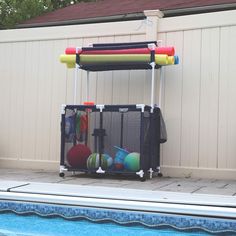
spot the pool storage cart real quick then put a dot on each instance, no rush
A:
(114, 139)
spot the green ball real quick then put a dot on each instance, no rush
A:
(93, 161)
(131, 161)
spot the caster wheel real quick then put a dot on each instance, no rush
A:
(159, 174)
(62, 174)
(144, 178)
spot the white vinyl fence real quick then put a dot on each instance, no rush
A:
(197, 99)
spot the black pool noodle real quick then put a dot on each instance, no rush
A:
(105, 47)
(124, 44)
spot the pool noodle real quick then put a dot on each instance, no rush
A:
(111, 58)
(128, 66)
(124, 44)
(171, 60)
(176, 60)
(72, 50)
(67, 58)
(116, 59)
(70, 65)
(170, 51)
(121, 51)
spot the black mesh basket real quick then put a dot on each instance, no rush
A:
(111, 139)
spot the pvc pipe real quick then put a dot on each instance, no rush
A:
(161, 85)
(152, 84)
(75, 83)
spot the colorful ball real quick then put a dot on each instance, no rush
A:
(93, 161)
(77, 156)
(120, 157)
(131, 161)
(69, 128)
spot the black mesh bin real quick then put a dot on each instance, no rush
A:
(104, 139)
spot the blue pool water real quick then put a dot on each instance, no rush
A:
(33, 225)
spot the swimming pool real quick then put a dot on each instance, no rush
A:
(74, 219)
(31, 225)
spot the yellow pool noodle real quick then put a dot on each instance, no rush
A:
(171, 60)
(67, 58)
(70, 65)
(160, 59)
(114, 58)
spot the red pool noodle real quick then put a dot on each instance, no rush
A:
(170, 51)
(120, 51)
(72, 50)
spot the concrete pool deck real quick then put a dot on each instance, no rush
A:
(166, 184)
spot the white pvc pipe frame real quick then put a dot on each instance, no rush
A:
(77, 67)
(153, 64)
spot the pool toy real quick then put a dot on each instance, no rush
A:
(69, 128)
(131, 162)
(108, 59)
(81, 126)
(170, 51)
(93, 161)
(77, 156)
(119, 158)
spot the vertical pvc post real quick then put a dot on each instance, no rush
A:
(75, 84)
(153, 84)
(153, 64)
(76, 76)
(159, 43)
(161, 86)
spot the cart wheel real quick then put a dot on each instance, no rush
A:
(144, 178)
(159, 174)
(62, 174)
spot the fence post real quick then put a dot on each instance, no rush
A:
(152, 20)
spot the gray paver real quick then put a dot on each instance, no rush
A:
(217, 191)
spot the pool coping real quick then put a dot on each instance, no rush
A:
(182, 211)
(118, 198)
